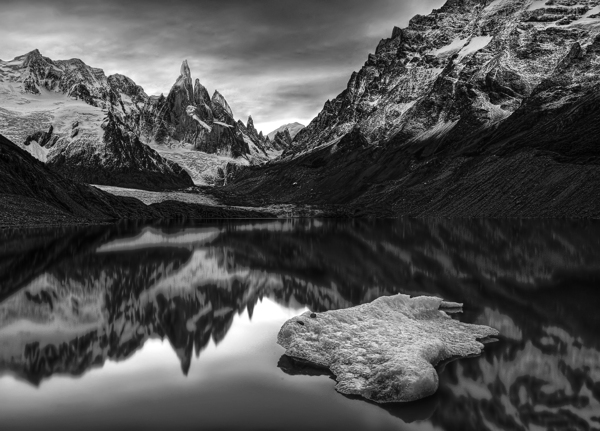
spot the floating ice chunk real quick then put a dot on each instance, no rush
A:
(386, 350)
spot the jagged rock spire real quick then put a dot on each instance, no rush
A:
(185, 70)
(218, 99)
(200, 94)
(185, 81)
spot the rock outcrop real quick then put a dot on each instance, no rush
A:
(282, 140)
(384, 351)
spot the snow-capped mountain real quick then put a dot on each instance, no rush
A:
(292, 128)
(81, 123)
(481, 108)
(188, 115)
(57, 110)
(188, 119)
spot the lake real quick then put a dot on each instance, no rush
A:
(174, 326)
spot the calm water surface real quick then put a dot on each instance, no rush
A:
(174, 326)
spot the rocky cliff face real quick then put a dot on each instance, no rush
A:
(482, 108)
(282, 140)
(466, 67)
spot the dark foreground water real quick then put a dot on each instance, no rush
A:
(174, 327)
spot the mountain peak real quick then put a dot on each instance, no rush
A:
(293, 129)
(185, 69)
(200, 94)
(31, 57)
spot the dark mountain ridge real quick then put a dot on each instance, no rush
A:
(31, 193)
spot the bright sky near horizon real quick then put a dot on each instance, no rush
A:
(278, 60)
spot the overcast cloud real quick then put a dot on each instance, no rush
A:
(278, 60)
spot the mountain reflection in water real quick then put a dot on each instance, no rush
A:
(76, 300)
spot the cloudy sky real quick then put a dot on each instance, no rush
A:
(278, 60)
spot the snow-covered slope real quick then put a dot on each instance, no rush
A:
(59, 111)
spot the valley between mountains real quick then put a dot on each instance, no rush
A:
(480, 109)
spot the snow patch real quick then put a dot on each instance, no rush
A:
(537, 4)
(452, 47)
(191, 111)
(586, 21)
(37, 151)
(477, 43)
